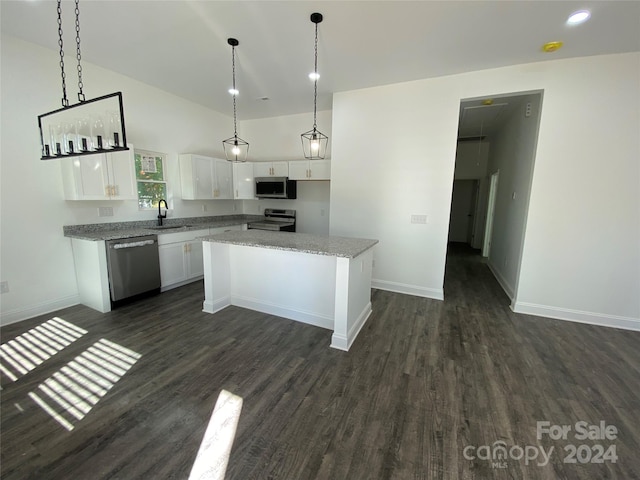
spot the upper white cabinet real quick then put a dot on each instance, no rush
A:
(310, 170)
(222, 179)
(103, 176)
(205, 178)
(271, 169)
(243, 181)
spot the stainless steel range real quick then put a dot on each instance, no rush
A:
(276, 220)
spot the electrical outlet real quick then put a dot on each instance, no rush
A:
(527, 110)
(105, 211)
(4, 287)
(422, 219)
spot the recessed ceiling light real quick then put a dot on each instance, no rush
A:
(233, 91)
(314, 76)
(578, 17)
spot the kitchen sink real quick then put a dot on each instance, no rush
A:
(167, 227)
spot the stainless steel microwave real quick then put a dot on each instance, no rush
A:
(276, 187)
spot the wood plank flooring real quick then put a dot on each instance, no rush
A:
(424, 380)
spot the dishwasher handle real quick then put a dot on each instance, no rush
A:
(141, 243)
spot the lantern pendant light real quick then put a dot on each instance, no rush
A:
(90, 126)
(314, 142)
(235, 148)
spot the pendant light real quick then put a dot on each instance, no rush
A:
(88, 127)
(235, 148)
(314, 143)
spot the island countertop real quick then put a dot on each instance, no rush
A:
(297, 242)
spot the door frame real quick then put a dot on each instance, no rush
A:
(491, 206)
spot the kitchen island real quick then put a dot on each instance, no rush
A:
(319, 280)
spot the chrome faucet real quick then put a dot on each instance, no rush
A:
(160, 215)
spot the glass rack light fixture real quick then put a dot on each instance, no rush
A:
(235, 149)
(314, 142)
(88, 127)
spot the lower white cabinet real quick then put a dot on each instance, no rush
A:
(181, 256)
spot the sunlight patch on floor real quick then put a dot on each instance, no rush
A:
(25, 352)
(213, 455)
(69, 394)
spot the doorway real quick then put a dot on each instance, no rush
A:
(495, 157)
(463, 216)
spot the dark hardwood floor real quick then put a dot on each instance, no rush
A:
(424, 380)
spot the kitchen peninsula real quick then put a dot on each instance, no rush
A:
(319, 280)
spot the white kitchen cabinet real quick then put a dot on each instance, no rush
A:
(271, 169)
(310, 170)
(205, 178)
(180, 255)
(222, 179)
(243, 181)
(103, 176)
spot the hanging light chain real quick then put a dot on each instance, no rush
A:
(65, 100)
(233, 72)
(78, 55)
(315, 78)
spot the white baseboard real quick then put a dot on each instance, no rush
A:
(213, 306)
(435, 293)
(508, 289)
(344, 343)
(309, 318)
(19, 314)
(181, 284)
(626, 323)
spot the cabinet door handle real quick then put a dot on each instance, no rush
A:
(107, 190)
(115, 190)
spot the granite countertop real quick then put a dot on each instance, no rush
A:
(119, 230)
(296, 242)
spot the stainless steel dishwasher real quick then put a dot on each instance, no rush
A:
(134, 267)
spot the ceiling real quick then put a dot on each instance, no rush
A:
(181, 46)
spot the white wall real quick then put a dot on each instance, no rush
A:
(393, 156)
(513, 150)
(278, 139)
(35, 257)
